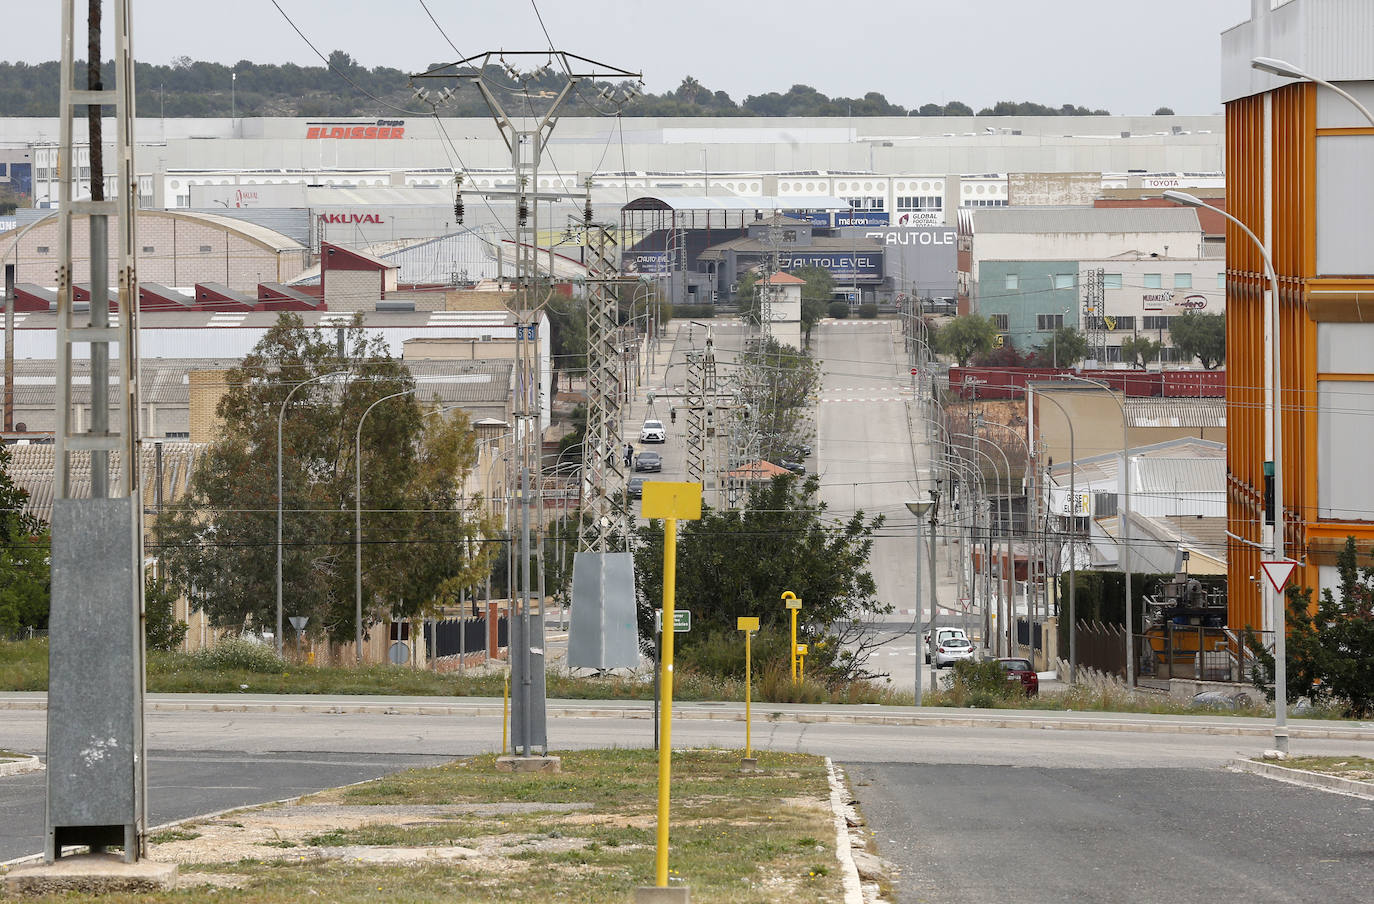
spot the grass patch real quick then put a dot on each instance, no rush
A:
(1093, 698)
(173, 835)
(246, 668)
(11, 755)
(1356, 768)
(736, 838)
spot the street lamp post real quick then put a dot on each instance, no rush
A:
(358, 524)
(1029, 521)
(1125, 529)
(1288, 70)
(1276, 601)
(281, 416)
(1073, 544)
(1008, 561)
(919, 509)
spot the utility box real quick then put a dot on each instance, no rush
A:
(96, 768)
(603, 632)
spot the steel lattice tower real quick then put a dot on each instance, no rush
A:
(603, 474)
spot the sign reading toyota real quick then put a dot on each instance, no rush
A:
(381, 130)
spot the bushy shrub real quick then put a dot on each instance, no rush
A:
(981, 684)
(838, 309)
(868, 310)
(235, 653)
(694, 311)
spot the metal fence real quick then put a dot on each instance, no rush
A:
(1197, 653)
(1102, 647)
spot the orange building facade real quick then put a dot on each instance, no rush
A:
(1300, 174)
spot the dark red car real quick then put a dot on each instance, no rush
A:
(1021, 670)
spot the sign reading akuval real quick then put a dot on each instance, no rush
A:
(382, 129)
(347, 218)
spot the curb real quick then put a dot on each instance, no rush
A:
(1317, 780)
(849, 872)
(1361, 733)
(21, 765)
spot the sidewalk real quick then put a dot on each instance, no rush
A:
(1209, 723)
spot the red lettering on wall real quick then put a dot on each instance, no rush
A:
(397, 133)
(312, 132)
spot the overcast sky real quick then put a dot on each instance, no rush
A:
(1126, 56)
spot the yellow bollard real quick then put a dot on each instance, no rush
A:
(794, 606)
(669, 501)
(801, 660)
(505, 709)
(748, 625)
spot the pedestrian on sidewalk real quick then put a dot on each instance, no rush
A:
(629, 454)
(672, 415)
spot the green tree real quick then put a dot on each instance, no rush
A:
(965, 336)
(423, 538)
(779, 384)
(1139, 351)
(567, 334)
(1330, 650)
(747, 297)
(162, 629)
(738, 562)
(1201, 336)
(1164, 111)
(1064, 349)
(25, 589)
(816, 294)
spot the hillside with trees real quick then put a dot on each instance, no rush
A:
(194, 88)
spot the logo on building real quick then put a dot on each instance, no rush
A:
(382, 129)
(1155, 301)
(347, 218)
(1193, 303)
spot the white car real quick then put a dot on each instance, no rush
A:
(653, 432)
(941, 634)
(951, 650)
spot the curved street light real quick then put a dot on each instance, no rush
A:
(1125, 529)
(1285, 69)
(281, 416)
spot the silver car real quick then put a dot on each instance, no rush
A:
(951, 650)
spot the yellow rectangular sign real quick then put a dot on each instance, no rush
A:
(801, 649)
(669, 499)
(747, 624)
(794, 604)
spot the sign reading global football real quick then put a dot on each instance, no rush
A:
(840, 263)
(382, 129)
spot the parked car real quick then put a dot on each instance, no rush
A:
(952, 650)
(940, 634)
(1021, 670)
(653, 432)
(648, 461)
(635, 487)
(795, 467)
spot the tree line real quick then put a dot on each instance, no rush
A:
(196, 88)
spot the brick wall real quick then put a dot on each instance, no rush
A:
(206, 389)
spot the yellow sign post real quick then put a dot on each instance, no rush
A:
(794, 606)
(671, 502)
(748, 626)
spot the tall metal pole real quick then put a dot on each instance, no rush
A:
(358, 525)
(281, 416)
(1073, 543)
(9, 348)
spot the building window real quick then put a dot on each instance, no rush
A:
(1154, 280)
(1047, 322)
(1126, 322)
(1063, 280)
(789, 235)
(1155, 322)
(43, 249)
(1221, 280)
(1013, 281)
(983, 202)
(1111, 280)
(921, 202)
(1001, 322)
(147, 249)
(205, 249)
(1183, 280)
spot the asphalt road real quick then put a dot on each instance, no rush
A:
(983, 833)
(190, 782)
(205, 761)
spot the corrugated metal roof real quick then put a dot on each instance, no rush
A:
(1170, 476)
(31, 468)
(1176, 412)
(1043, 220)
(164, 381)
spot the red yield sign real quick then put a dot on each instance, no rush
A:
(1278, 573)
